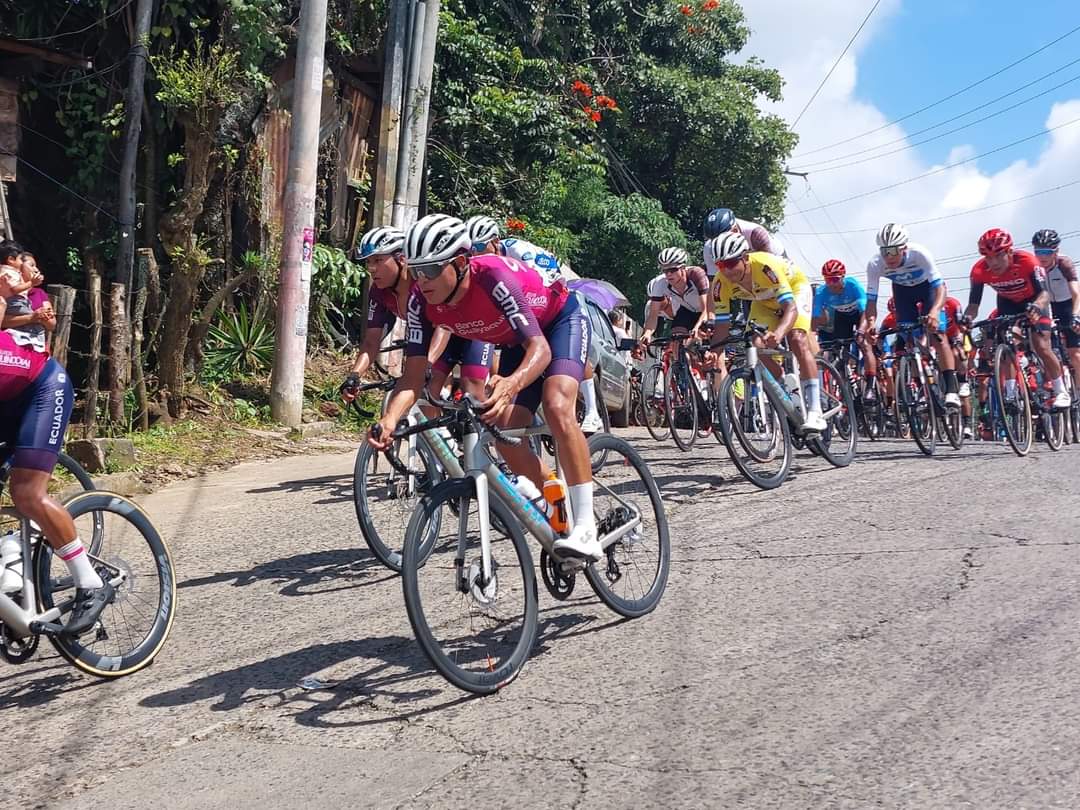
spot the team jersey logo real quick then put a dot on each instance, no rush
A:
(769, 274)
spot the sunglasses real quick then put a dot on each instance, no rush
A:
(428, 271)
(1045, 251)
(731, 264)
(479, 247)
(891, 252)
(669, 270)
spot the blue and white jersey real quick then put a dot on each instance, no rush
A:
(851, 299)
(543, 262)
(917, 268)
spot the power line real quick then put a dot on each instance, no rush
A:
(948, 216)
(913, 144)
(832, 222)
(858, 30)
(940, 101)
(946, 167)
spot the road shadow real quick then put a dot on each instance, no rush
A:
(686, 487)
(308, 574)
(339, 488)
(54, 678)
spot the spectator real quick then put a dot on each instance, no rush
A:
(29, 315)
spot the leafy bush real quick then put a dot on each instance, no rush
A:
(240, 343)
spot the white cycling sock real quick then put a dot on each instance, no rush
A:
(78, 563)
(812, 394)
(1059, 385)
(581, 504)
(588, 394)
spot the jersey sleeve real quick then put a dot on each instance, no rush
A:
(977, 284)
(933, 275)
(710, 260)
(873, 279)
(820, 294)
(1067, 268)
(656, 290)
(781, 284)
(696, 276)
(418, 329)
(378, 316)
(506, 292)
(858, 293)
(722, 298)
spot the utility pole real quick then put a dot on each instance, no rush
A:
(133, 104)
(294, 288)
(420, 106)
(390, 113)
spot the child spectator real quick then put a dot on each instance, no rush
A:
(29, 315)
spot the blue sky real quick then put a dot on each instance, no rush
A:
(929, 49)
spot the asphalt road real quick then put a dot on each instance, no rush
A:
(902, 633)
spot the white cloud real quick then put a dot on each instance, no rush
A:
(802, 40)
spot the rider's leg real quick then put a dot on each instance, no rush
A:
(811, 386)
(1040, 342)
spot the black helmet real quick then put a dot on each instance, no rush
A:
(1046, 238)
(718, 221)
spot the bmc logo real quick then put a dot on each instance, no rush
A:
(505, 299)
(414, 328)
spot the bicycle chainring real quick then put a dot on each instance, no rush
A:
(16, 650)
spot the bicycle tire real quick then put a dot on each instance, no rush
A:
(79, 473)
(461, 491)
(142, 653)
(826, 445)
(731, 430)
(605, 418)
(874, 411)
(605, 573)
(655, 413)
(678, 394)
(917, 397)
(1018, 430)
(366, 458)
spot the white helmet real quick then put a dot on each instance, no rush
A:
(436, 239)
(482, 229)
(892, 236)
(379, 241)
(671, 257)
(728, 246)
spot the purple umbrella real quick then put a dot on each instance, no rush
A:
(604, 293)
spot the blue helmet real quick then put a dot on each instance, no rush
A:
(718, 221)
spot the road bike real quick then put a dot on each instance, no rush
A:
(866, 393)
(471, 594)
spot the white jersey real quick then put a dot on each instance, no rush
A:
(757, 236)
(691, 298)
(544, 262)
(918, 268)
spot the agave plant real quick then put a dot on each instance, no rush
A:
(240, 343)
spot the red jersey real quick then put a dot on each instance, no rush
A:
(19, 366)
(888, 323)
(1021, 283)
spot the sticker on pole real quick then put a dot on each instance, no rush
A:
(306, 254)
(300, 326)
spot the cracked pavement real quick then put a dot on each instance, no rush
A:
(901, 633)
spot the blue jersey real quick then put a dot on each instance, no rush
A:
(917, 268)
(851, 299)
(544, 262)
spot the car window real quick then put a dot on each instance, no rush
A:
(601, 325)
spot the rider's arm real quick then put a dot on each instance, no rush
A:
(368, 350)
(697, 277)
(787, 320)
(1042, 291)
(537, 359)
(438, 343)
(651, 317)
(940, 293)
(406, 391)
(974, 299)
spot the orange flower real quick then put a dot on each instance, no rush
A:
(686, 10)
(515, 224)
(710, 5)
(580, 87)
(595, 115)
(605, 101)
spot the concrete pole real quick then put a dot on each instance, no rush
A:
(412, 82)
(294, 288)
(417, 124)
(393, 92)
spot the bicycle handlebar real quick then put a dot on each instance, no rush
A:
(462, 407)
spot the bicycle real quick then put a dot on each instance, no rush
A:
(869, 411)
(684, 400)
(653, 413)
(82, 477)
(757, 426)
(481, 572)
(1072, 416)
(131, 555)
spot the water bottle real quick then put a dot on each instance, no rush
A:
(791, 382)
(555, 493)
(530, 493)
(11, 570)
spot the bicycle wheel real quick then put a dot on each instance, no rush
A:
(680, 405)
(918, 405)
(652, 402)
(1016, 411)
(839, 441)
(757, 435)
(633, 574)
(1072, 416)
(477, 634)
(76, 471)
(874, 409)
(605, 419)
(132, 629)
(386, 488)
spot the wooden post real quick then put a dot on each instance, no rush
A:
(94, 370)
(63, 301)
(119, 354)
(155, 304)
(142, 415)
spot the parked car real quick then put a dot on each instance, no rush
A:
(611, 364)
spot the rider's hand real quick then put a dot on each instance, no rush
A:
(380, 435)
(350, 387)
(1076, 324)
(709, 358)
(1033, 313)
(638, 352)
(771, 340)
(501, 393)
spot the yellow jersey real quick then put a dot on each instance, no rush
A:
(773, 282)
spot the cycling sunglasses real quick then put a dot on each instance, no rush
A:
(891, 252)
(477, 247)
(1045, 251)
(731, 264)
(428, 271)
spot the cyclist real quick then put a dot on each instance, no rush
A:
(916, 283)
(1064, 292)
(959, 343)
(35, 405)
(685, 289)
(544, 336)
(723, 220)
(484, 234)
(781, 302)
(840, 305)
(1020, 283)
(381, 251)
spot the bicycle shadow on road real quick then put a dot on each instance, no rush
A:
(301, 574)
(45, 685)
(338, 487)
